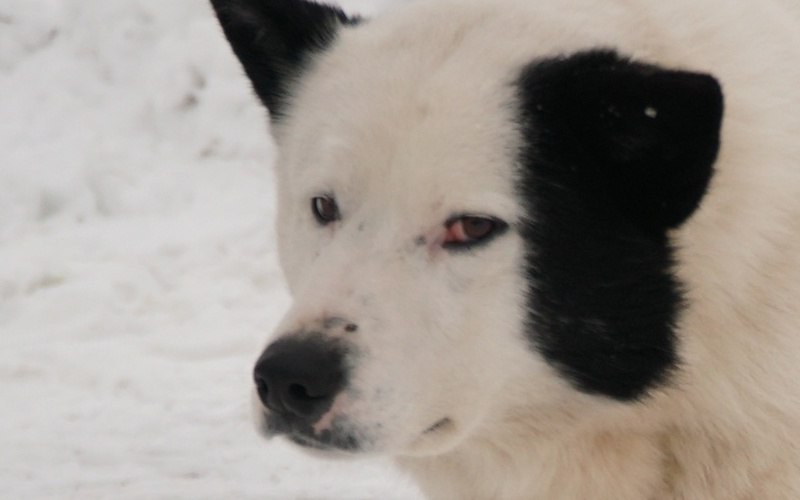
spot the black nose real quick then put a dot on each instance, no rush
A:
(298, 377)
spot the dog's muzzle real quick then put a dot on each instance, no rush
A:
(298, 379)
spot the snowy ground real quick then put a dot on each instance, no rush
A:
(138, 277)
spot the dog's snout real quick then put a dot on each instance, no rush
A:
(298, 378)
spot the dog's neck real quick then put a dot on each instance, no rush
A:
(612, 464)
(601, 466)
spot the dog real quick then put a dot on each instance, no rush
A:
(537, 250)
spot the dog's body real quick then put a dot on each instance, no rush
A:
(547, 262)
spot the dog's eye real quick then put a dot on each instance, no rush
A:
(468, 230)
(325, 209)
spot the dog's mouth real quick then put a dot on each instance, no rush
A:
(435, 439)
(340, 438)
(440, 425)
(330, 443)
(335, 439)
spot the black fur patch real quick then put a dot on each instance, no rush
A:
(617, 153)
(273, 39)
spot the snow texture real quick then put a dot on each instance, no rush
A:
(138, 275)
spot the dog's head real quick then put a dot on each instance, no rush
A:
(468, 229)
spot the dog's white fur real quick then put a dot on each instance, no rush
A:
(407, 120)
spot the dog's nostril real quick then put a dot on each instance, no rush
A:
(262, 389)
(300, 393)
(262, 386)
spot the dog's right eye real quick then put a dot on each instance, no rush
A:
(325, 209)
(467, 231)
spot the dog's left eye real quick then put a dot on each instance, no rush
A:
(469, 230)
(325, 209)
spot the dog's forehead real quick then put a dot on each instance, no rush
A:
(372, 122)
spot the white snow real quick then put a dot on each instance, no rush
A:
(138, 276)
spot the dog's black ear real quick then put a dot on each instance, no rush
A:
(643, 137)
(274, 39)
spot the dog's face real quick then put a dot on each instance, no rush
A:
(461, 243)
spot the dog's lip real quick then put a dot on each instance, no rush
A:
(306, 442)
(439, 425)
(271, 430)
(327, 442)
(267, 426)
(272, 427)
